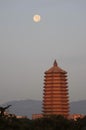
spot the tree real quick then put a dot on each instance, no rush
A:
(2, 110)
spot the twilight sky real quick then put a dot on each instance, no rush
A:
(28, 49)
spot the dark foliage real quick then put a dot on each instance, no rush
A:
(46, 123)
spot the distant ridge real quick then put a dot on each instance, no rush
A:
(24, 107)
(78, 107)
(29, 107)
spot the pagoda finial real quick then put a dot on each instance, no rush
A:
(55, 63)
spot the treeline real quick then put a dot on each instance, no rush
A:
(48, 123)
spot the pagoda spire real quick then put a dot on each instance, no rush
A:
(55, 63)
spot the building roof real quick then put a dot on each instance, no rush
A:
(55, 69)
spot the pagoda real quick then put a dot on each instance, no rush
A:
(55, 96)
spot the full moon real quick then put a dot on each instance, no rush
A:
(36, 18)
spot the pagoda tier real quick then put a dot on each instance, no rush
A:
(55, 99)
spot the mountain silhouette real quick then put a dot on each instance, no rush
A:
(29, 107)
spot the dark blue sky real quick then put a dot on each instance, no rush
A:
(27, 49)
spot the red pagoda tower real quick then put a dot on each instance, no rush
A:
(55, 99)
